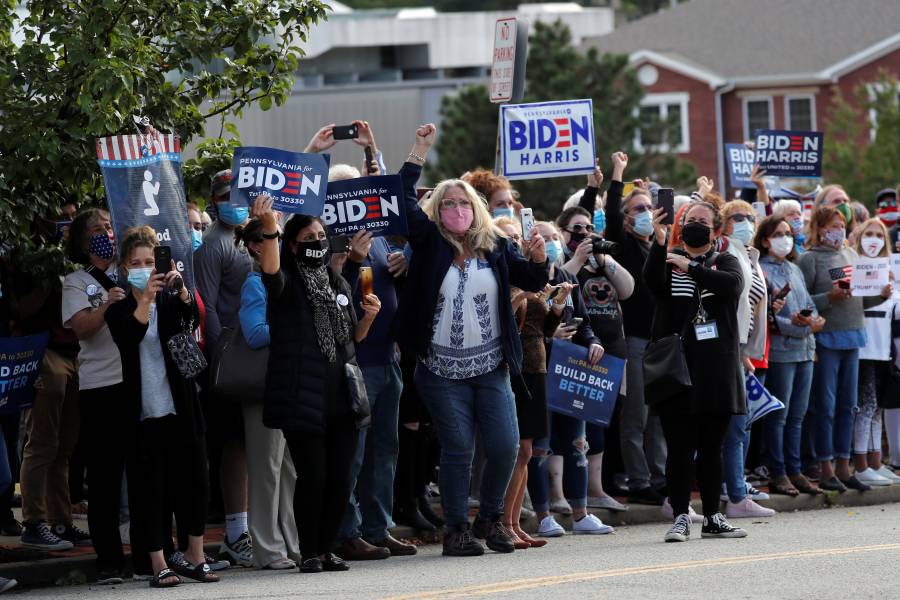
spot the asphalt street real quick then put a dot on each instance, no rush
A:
(833, 553)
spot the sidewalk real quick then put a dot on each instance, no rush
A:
(32, 568)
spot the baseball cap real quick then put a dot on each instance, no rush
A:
(885, 192)
(221, 183)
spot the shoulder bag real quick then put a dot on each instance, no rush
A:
(238, 371)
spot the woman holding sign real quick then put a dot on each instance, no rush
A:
(697, 291)
(457, 316)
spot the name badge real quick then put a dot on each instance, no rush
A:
(342, 300)
(706, 331)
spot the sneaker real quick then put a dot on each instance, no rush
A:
(832, 484)
(759, 475)
(647, 496)
(458, 541)
(141, 577)
(550, 528)
(494, 534)
(717, 527)
(70, 533)
(746, 508)
(607, 502)
(872, 477)
(855, 484)
(755, 494)
(38, 536)
(110, 578)
(668, 513)
(7, 584)
(680, 530)
(888, 474)
(80, 510)
(11, 527)
(561, 507)
(216, 564)
(239, 552)
(590, 525)
(474, 502)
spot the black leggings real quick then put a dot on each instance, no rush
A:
(323, 482)
(687, 437)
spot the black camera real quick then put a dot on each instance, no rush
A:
(601, 246)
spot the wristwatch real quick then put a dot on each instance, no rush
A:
(270, 236)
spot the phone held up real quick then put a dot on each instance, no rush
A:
(366, 285)
(345, 132)
(162, 264)
(665, 199)
(339, 244)
(369, 158)
(527, 217)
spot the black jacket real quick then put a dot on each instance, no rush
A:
(715, 364)
(302, 387)
(432, 257)
(173, 316)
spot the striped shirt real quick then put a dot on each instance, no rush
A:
(683, 285)
(757, 291)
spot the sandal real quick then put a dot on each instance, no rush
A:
(157, 580)
(804, 485)
(518, 542)
(782, 485)
(202, 572)
(528, 539)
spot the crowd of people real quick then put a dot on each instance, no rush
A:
(375, 376)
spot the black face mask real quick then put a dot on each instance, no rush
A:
(312, 253)
(695, 235)
(575, 239)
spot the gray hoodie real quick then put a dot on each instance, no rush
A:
(822, 268)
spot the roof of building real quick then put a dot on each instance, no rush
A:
(764, 39)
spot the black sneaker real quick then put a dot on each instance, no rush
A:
(493, 533)
(311, 565)
(333, 562)
(680, 530)
(38, 536)
(855, 484)
(717, 527)
(70, 533)
(458, 541)
(647, 496)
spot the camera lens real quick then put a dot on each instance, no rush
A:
(601, 246)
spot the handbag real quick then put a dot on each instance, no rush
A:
(238, 372)
(666, 372)
(185, 352)
(359, 399)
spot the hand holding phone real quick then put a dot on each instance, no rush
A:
(806, 312)
(527, 217)
(783, 292)
(665, 199)
(345, 132)
(366, 284)
(162, 259)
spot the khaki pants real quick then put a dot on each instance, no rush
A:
(52, 426)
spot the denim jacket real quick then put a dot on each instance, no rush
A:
(789, 343)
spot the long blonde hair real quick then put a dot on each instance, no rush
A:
(857, 236)
(482, 234)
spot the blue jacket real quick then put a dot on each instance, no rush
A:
(432, 257)
(790, 343)
(254, 322)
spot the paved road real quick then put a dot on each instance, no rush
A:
(835, 553)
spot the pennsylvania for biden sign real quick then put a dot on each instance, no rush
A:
(581, 390)
(372, 204)
(790, 153)
(547, 139)
(296, 181)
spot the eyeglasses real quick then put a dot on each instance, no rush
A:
(450, 203)
(581, 228)
(740, 217)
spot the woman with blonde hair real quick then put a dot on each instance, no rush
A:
(457, 317)
(834, 196)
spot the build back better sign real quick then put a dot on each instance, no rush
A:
(579, 389)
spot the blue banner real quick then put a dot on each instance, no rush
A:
(579, 390)
(374, 204)
(790, 153)
(760, 401)
(740, 161)
(20, 365)
(143, 184)
(296, 181)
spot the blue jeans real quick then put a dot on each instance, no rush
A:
(565, 435)
(835, 375)
(791, 383)
(734, 454)
(458, 407)
(369, 513)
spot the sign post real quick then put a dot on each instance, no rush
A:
(508, 63)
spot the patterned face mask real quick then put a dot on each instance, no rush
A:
(102, 245)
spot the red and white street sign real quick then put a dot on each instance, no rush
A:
(503, 66)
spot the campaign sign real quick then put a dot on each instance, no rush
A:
(296, 181)
(142, 176)
(547, 139)
(790, 153)
(580, 390)
(760, 401)
(20, 365)
(740, 164)
(870, 275)
(373, 204)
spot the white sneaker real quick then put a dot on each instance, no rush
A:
(561, 507)
(607, 502)
(240, 552)
(755, 494)
(885, 472)
(871, 477)
(550, 528)
(668, 513)
(746, 508)
(590, 525)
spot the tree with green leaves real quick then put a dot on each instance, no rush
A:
(864, 163)
(557, 71)
(72, 71)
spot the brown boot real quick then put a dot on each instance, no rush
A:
(359, 549)
(395, 546)
(804, 485)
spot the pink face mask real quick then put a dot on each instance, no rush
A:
(457, 220)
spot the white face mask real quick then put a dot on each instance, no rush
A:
(871, 245)
(781, 246)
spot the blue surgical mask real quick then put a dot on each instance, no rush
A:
(743, 232)
(797, 227)
(196, 239)
(138, 278)
(554, 250)
(233, 215)
(643, 224)
(502, 212)
(599, 220)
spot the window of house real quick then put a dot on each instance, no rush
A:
(800, 113)
(663, 123)
(757, 115)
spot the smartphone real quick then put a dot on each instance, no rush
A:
(760, 209)
(806, 312)
(665, 199)
(339, 244)
(345, 132)
(575, 322)
(162, 257)
(370, 156)
(366, 285)
(527, 217)
(554, 291)
(782, 294)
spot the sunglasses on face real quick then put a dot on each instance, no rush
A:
(580, 228)
(740, 217)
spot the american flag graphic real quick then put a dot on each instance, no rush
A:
(136, 147)
(563, 133)
(839, 273)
